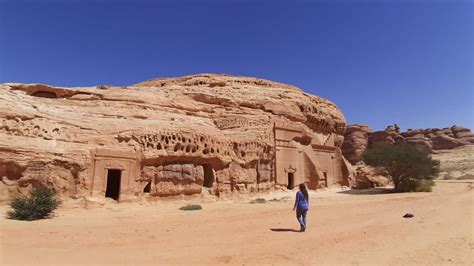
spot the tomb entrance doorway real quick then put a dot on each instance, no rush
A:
(291, 180)
(208, 176)
(113, 184)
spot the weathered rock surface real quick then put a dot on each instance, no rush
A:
(356, 141)
(358, 138)
(168, 136)
(368, 176)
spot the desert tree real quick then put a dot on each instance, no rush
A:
(409, 168)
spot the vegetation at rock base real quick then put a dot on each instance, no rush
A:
(414, 185)
(259, 200)
(191, 207)
(410, 169)
(38, 204)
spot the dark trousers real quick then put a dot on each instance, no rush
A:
(301, 216)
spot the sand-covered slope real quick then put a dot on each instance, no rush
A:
(456, 163)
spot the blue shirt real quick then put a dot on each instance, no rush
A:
(301, 202)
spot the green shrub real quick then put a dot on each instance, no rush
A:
(259, 200)
(191, 207)
(414, 185)
(39, 204)
(405, 165)
(407, 185)
(424, 185)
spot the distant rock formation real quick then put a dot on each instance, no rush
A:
(358, 138)
(205, 133)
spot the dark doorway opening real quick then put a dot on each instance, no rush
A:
(258, 181)
(217, 189)
(208, 176)
(291, 181)
(258, 173)
(147, 188)
(113, 184)
(325, 179)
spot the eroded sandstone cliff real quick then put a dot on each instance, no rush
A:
(167, 137)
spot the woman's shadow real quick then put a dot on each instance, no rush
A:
(284, 230)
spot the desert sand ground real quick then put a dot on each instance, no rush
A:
(344, 228)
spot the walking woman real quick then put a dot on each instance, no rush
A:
(301, 206)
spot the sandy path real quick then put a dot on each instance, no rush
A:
(343, 228)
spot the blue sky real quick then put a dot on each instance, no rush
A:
(381, 62)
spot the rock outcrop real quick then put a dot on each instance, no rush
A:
(359, 137)
(367, 176)
(168, 136)
(356, 141)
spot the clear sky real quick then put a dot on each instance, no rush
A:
(381, 62)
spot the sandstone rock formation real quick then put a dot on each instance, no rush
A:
(169, 136)
(367, 176)
(360, 137)
(356, 141)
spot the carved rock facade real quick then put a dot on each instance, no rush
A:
(215, 133)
